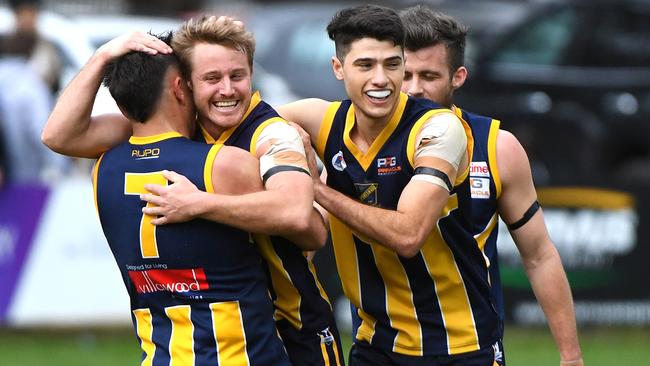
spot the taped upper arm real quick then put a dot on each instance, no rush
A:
(441, 148)
(280, 145)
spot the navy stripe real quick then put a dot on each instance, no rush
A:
(428, 312)
(373, 296)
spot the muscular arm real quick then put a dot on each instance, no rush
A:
(403, 230)
(70, 129)
(307, 113)
(284, 208)
(540, 257)
(420, 204)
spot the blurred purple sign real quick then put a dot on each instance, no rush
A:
(20, 209)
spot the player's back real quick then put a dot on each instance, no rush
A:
(197, 289)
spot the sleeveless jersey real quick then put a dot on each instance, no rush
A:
(197, 289)
(298, 295)
(485, 190)
(437, 302)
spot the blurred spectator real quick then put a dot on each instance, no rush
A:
(44, 57)
(25, 103)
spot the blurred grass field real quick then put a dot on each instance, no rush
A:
(104, 347)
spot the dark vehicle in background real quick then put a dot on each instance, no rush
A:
(571, 79)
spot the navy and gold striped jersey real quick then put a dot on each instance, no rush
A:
(198, 289)
(485, 190)
(435, 303)
(298, 295)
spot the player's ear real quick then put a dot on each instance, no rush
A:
(337, 66)
(459, 77)
(179, 91)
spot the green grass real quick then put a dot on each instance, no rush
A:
(529, 347)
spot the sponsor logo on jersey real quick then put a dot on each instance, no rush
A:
(169, 280)
(337, 161)
(388, 165)
(479, 188)
(479, 169)
(141, 154)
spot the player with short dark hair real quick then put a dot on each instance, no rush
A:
(198, 291)
(500, 172)
(216, 58)
(396, 167)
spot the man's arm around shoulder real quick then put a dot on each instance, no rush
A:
(70, 129)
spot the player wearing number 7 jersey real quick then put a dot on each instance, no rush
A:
(198, 291)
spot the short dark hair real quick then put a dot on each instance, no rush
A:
(372, 21)
(15, 4)
(136, 80)
(425, 27)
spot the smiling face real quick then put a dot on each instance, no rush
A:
(372, 72)
(221, 85)
(428, 76)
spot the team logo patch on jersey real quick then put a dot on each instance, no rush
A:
(367, 192)
(479, 169)
(337, 161)
(326, 336)
(388, 165)
(479, 188)
(169, 280)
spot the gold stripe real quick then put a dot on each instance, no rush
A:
(258, 132)
(287, 302)
(325, 128)
(95, 172)
(348, 268)
(399, 301)
(229, 333)
(143, 140)
(181, 344)
(602, 199)
(323, 350)
(450, 290)
(492, 155)
(207, 168)
(346, 260)
(461, 176)
(336, 353)
(206, 135)
(367, 328)
(365, 159)
(144, 329)
(481, 238)
(255, 100)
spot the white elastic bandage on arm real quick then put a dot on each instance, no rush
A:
(285, 151)
(441, 137)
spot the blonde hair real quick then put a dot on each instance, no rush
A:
(223, 31)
